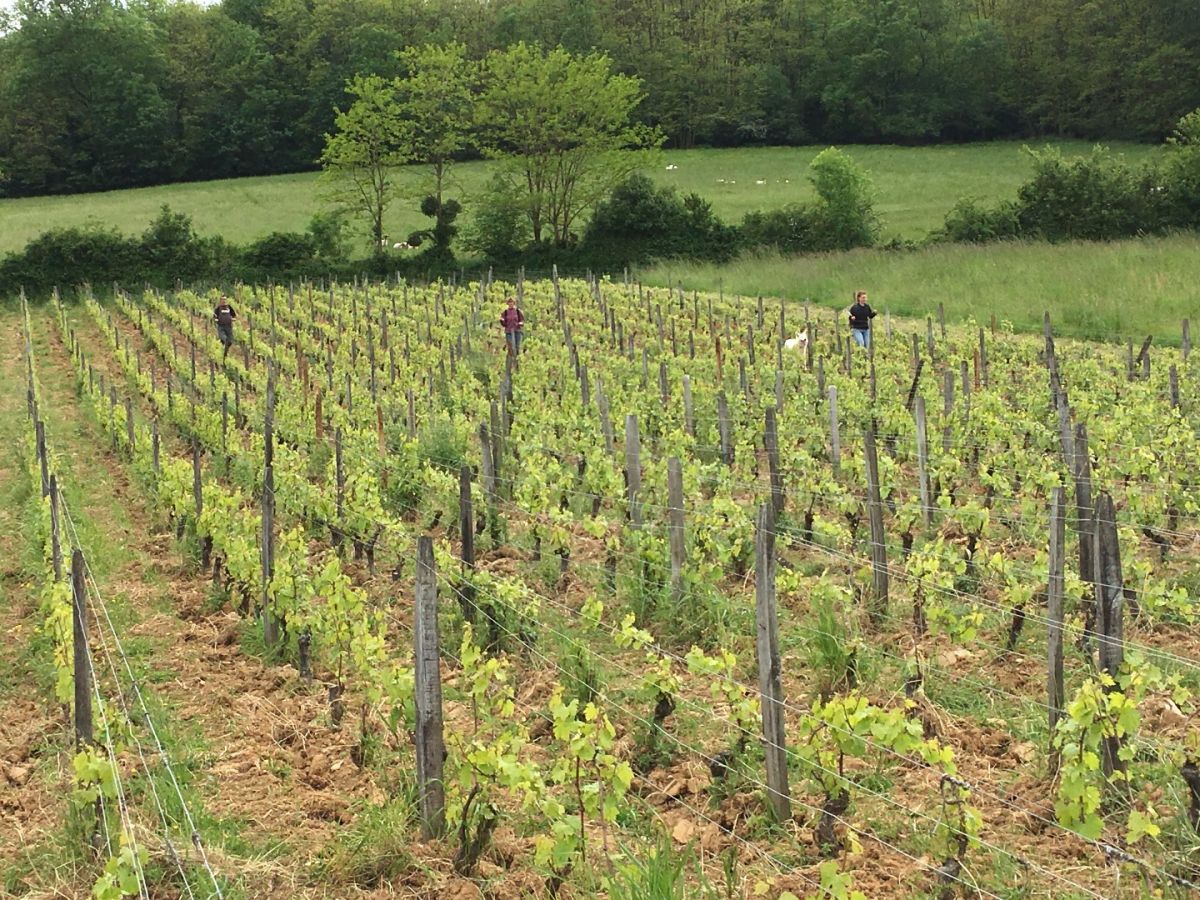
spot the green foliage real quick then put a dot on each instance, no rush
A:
(562, 125)
(970, 222)
(844, 215)
(499, 227)
(375, 847)
(368, 143)
(639, 222)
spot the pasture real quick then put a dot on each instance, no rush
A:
(915, 188)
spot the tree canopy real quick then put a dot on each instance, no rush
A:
(98, 94)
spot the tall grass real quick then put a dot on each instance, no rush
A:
(915, 188)
(1101, 291)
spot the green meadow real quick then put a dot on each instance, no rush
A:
(915, 186)
(1116, 291)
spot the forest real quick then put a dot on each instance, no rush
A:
(99, 95)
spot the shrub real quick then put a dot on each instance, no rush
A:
(789, 229)
(67, 257)
(500, 227)
(844, 214)
(970, 222)
(279, 255)
(639, 221)
(1096, 197)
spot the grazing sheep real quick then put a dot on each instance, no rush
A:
(799, 342)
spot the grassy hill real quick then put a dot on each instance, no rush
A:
(915, 187)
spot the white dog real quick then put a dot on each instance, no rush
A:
(799, 342)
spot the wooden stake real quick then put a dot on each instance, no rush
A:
(770, 667)
(878, 538)
(675, 525)
(633, 470)
(82, 659)
(1055, 695)
(430, 741)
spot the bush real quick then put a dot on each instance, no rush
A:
(639, 222)
(500, 227)
(67, 257)
(1097, 197)
(970, 222)
(789, 229)
(278, 256)
(844, 214)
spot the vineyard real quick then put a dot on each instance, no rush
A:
(658, 609)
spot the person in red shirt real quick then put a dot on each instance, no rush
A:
(512, 320)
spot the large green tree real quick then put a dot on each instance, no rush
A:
(563, 128)
(437, 104)
(363, 152)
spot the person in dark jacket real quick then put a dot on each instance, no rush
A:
(512, 320)
(224, 315)
(861, 315)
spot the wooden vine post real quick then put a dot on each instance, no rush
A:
(879, 564)
(430, 741)
(770, 667)
(675, 525)
(270, 626)
(466, 527)
(633, 470)
(1110, 590)
(835, 443)
(771, 442)
(82, 660)
(1055, 696)
(923, 460)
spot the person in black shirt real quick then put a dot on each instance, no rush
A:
(224, 315)
(861, 315)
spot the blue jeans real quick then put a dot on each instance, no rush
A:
(514, 339)
(862, 336)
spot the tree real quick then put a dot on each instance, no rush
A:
(368, 145)
(561, 125)
(844, 214)
(437, 106)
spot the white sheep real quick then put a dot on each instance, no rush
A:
(799, 342)
(761, 181)
(672, 167)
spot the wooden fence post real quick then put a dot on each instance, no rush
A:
(154, 446)
(466, 528)
(39, 428)
(56, 559)
(1173, 382)
(879, 563)
(270, 626)
(771, 443)
(1055, 696)
(923, 460)
(488, 474)
(675, 524)
(633, 470)
(689, 413)
(1085, 522)
(82, 659)
(769, 667)
(430, 741)
(835, 443)
(1110, 591)
(1187, 340)
(724, 430)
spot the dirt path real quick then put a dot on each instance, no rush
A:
(34, 762)
(271, 779)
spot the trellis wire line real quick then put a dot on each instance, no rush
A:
(195, 837)
(194, 834)
(658, 649)
(708, 711)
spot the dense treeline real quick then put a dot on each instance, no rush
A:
(95, 94)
